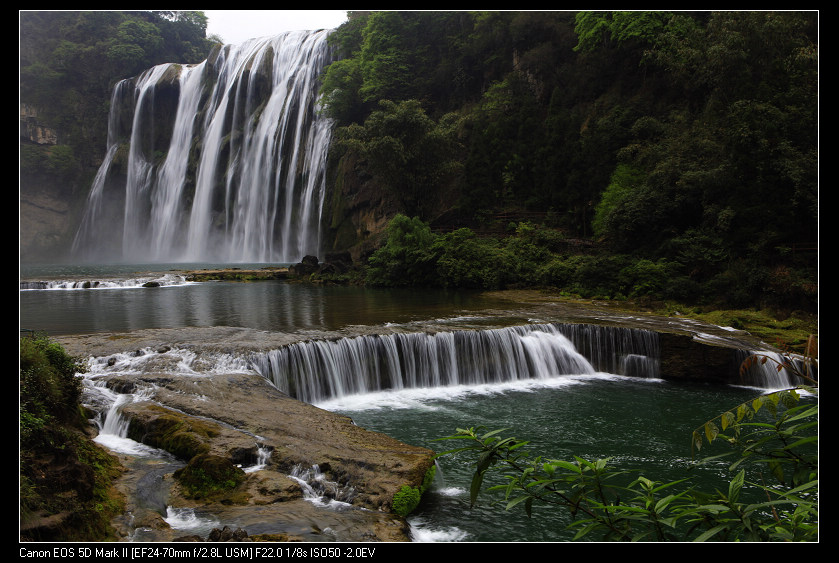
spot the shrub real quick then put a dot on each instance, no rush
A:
(407, 257)
(463, 260)
(49, 388)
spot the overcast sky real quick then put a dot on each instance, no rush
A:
(236, 26)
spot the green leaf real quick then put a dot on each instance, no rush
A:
(736, 486)
(710, 533)
(475, 487)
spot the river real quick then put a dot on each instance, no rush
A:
(642, 423)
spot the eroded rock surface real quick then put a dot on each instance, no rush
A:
(230, 416)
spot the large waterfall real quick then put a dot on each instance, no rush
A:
(223, 161)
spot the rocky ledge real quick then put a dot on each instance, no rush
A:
(215, 427)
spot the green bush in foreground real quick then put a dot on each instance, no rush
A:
(65, 479)
(781, 448)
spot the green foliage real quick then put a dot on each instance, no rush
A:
(532, 256)
(408, 153)
(61, 160)
(209, 476)
(340, 91)
(49, 390)
(465, 261)
(61, 470)
(384, 58)
(677, 138)
(613, 505)
(619, 192)
(406, 500)
(406, 257)
(70, 60)
(597, 29)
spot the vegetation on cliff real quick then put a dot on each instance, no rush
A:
(684, 143)
(65, 479)
(681, 146)
(69, 64)
(535, 256)
(70, 61)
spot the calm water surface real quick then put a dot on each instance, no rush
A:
(265, 305)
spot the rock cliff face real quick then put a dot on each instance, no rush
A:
(46, 201)
(358, 211)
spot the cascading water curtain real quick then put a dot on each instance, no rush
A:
(323, 369)
(221, 162)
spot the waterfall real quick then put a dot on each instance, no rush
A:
(113, 426)
(769, 371)
(317, 370)
(223, 161)
(318, 490)
(618, 350)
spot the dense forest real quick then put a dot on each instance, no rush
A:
(683, 144)
(607, 154)
(70, 61)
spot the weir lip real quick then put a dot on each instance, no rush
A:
(243, 340)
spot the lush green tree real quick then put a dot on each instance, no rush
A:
(408, 153)
(407, 257)
(70, 61)
(135, 45)
(465, 261)
(339, 93)
(503, 136)
(385, 58)
(602, 29)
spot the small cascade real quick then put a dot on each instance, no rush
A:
(113, 427)
(321, 491)
(164, 280)
(263, 455)
(223, 161)
(318, 370)
(765, 369)
(618, 350)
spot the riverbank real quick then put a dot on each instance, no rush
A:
(221, 425)
(237, 274)
(795, 330)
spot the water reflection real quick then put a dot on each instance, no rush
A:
(264, 305)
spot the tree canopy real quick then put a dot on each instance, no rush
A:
(70, 61)
(689, 137)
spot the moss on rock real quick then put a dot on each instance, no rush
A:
(182, 436)
(208, 475)
(407, 498)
